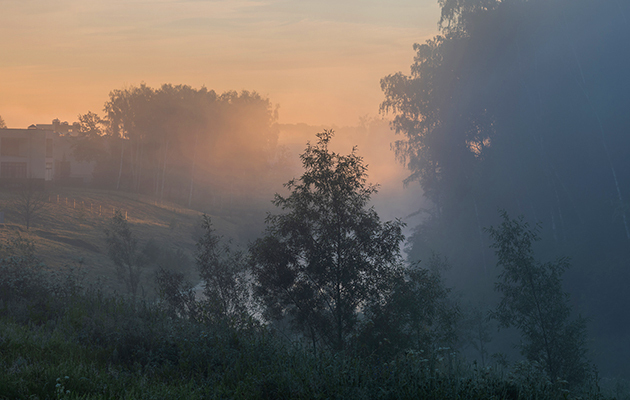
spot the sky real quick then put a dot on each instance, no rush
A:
(320, 61)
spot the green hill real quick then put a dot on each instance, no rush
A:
(70, 229)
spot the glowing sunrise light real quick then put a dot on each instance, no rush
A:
(321, 61)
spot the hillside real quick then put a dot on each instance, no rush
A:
(70, 230)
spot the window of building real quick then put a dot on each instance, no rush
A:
(49, 171)
(49, 148)
(11, 147)
(13, 170)
(62, 169)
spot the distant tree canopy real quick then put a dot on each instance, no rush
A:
(89, 146)
(2, 124)
(174, 138)
(522, 105)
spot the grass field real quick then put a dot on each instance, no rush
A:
(69, 232)
(63, 339)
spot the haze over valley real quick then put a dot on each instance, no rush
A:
(277, 199)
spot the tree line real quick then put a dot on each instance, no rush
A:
(178, 142)
(520, 105)
(328, 273)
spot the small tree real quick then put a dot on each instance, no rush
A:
(177, 294)
(328, 256)
(90, 144)
(224, 275)
(417, 314)
(476, 331)
(122, 248)
(20, 250)
(534, 302)
(29, 202)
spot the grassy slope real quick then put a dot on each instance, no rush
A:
(89, 347)
(71, 232)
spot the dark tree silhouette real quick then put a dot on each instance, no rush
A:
(534, 302)
(172, 138)
(328, 255)
(90, 145)
(223, 272)
(519, 105)
(123, 250)
(29, 202)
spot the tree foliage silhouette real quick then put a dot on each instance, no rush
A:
(417, 314)
(223, 274)
(533, 301)
(89, 145)
(518, 105)
(122, 248)
(30, 202)
(328, 255)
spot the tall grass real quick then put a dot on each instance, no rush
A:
(59, 341)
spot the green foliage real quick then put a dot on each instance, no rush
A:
(122, 248)
(30, 202)
(177, 295)
(176, 137)
(29, 292)
(475, 331)
(416, 316)
(456, 14)
(517, 105)
(193, 362)
(20, 250)
(83, 344)
(90, 144)
(224, 278)
(534, 302)
(223, 274)
(328, 255)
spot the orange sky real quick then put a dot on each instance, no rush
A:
(320, 60)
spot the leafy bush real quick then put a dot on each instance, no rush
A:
(109, 348)
(122, 248)
(534, 302)
(224, 276)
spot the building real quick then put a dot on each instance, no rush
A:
(26, 153)
(41, 154)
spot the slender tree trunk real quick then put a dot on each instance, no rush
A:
(609, 159)
(122, 154)
(140, 165)
(314, 340)
(338, 273)
(164, 172)
(480, 230)
(157, 178)
(192, 171)
(602, 135)
(133, 159)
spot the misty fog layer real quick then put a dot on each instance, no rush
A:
(491, 257)
(523, 106)
(217, 153)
